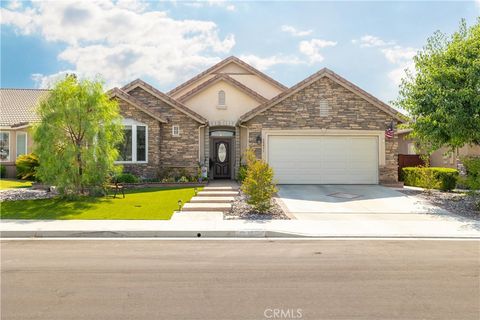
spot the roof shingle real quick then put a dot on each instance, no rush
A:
(17, 106)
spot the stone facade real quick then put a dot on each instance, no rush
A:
(347, 110)
(165, 150)
(143, 169)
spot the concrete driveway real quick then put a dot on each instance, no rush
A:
(308, 201)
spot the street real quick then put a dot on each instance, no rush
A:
(244, 279)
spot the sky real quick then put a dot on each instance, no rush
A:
(166, 43)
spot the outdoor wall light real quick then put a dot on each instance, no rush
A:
(179, 205)
(259, 139)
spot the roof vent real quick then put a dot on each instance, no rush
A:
(324, 108)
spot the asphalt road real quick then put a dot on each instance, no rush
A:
(334, 279)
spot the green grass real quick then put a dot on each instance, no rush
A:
(14, 183)
(141, 204)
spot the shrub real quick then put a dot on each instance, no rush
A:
(3, 171)
(259, 186)
(444, 179)
(168, 180)
(183, 179)
(242, 173)
(472, 180)
(27, 166)
(127, 178)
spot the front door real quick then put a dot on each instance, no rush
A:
(221, 160)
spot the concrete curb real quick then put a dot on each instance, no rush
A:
(204, 234)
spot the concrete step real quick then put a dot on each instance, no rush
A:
(212, 199)
(207, 188)
(198, 215)
(217, 193)
(222, 207)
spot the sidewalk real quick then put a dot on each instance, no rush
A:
(331, 225)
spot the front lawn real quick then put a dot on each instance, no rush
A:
(141, 204)
(14, 183)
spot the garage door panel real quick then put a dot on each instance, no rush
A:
(324, 159)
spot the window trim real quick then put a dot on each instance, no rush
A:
(134, 124)
(16, 143)
(9, 146)
(175, 126)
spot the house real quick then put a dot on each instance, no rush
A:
(322, 130)
(440, 158)
(17, 113)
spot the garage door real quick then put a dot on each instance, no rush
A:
(324, 159)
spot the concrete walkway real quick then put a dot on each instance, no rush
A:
(210, 203)
(377, 225)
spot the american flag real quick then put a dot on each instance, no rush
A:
(389, 132)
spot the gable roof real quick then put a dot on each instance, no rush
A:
(17, 106)
(224, 62)
(118, 93)
(162, 96)
(228, 79)
(311, 79)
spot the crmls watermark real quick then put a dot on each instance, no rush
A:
(280, 313)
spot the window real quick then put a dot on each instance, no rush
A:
(324, 108)
(175, 131)
(222, 133)
(141, 143)
(21, 143)
(221, 98)
(134, 147)
(4, 146)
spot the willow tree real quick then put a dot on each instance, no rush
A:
(76, 138)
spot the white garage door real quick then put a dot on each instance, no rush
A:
(324, 159)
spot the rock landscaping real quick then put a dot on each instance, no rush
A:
(25, 194)
(242, 210)
(454, 202)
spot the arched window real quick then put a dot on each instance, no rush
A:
(221, 98)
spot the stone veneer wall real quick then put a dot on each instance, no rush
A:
(143, 169)
(346, 111)
(168, 152)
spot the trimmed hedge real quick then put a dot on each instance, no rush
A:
(127, 178)
(444, 179)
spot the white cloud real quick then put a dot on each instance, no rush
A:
(401, 57)
(14, 5)
(371, 41)
(294, 32)
(268, 62)
(312, 48)
(120, 43)
(211, 3)
(398, 54)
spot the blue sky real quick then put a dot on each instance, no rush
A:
(165, 43)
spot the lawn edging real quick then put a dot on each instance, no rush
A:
(139, 185)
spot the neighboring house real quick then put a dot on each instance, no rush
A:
(440, 158)
(322, 130)
(17, 114)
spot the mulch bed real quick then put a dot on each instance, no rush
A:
(454, 202)
(241, 210)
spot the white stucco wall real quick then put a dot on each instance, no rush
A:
(257, 84)
(205, 103)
